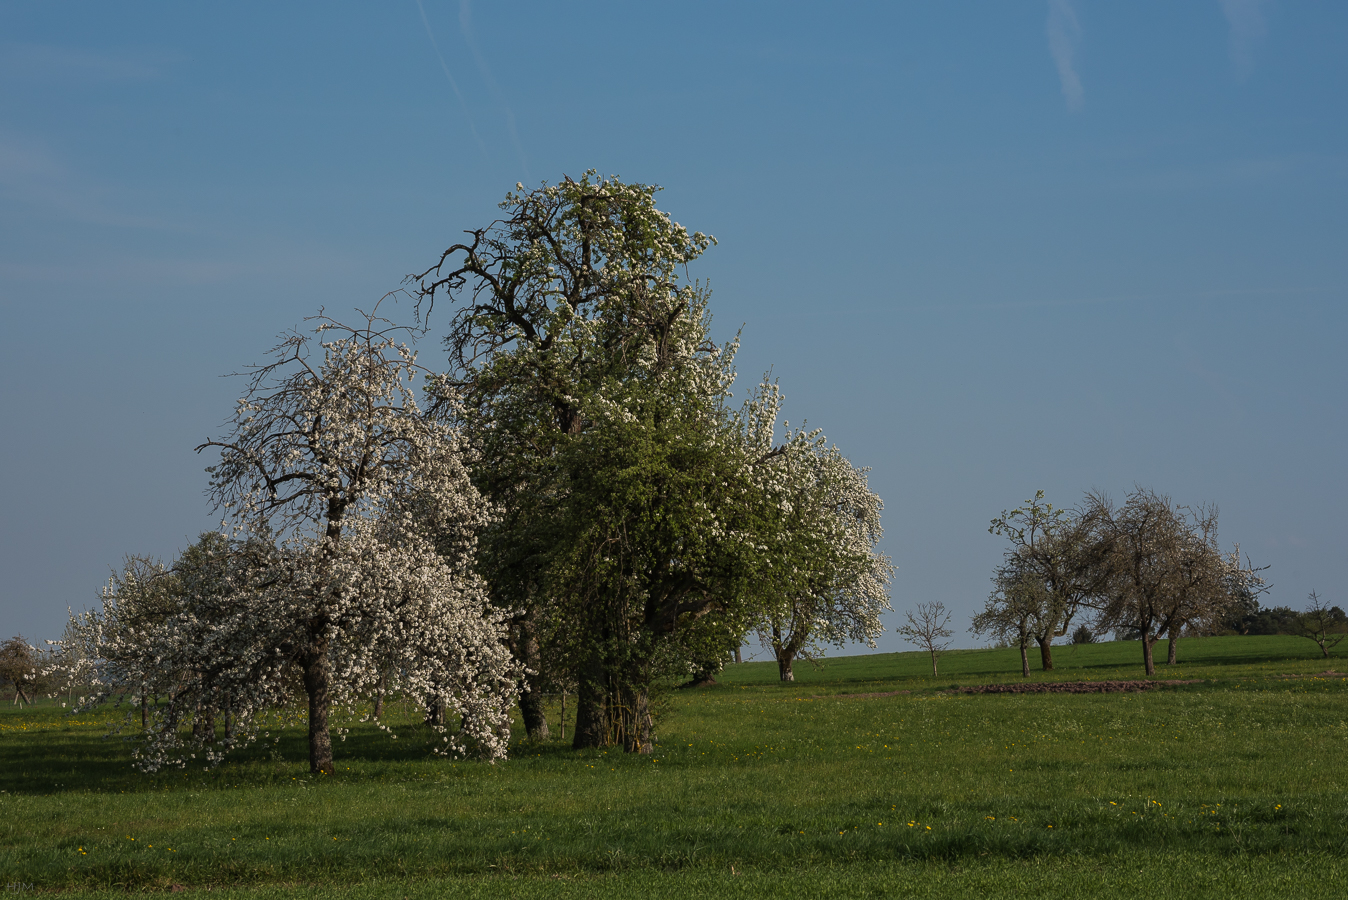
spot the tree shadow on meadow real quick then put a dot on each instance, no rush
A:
(47, 752)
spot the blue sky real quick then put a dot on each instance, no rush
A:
(989, 248)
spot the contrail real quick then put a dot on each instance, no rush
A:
(466, 26)
(452, 83)
(1247, 27)
(1063, 33)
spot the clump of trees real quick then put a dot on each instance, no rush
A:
(573, 503)
(1148, 566)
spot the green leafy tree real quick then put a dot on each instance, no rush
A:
(595, 403)
(660, 549)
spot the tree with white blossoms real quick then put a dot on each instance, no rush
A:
(827, 582)
(355, 526)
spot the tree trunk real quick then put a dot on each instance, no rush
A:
(561, 717)
(531, 710)
(531, 697)
(1024, 659)
(1148, 642)
(933, 663)
(318, 685)
(591, 715)
(637, 727)
(435, 711)
(1172, 650)
(379, 696)
(785, 648)
(203, 726)
(1045, 642)
(144, 713)
(738, 657)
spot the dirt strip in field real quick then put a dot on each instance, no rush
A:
(1069, 687)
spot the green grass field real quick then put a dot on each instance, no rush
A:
(1233, 786)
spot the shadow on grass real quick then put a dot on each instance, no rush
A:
(58, 753)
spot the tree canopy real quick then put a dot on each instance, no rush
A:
(641, 513)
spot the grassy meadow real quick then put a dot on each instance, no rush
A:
(1231, 786)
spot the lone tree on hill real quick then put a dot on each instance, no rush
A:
(926, 626)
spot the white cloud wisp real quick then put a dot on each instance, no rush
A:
(1064, 33)
(1246, 21)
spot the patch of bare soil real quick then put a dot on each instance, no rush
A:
(1070, 687)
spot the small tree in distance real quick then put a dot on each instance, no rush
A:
(1322, 624)
(18, 667)
(1056, 547)
(1016, 608)
(926, 626)
(1164, 571)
